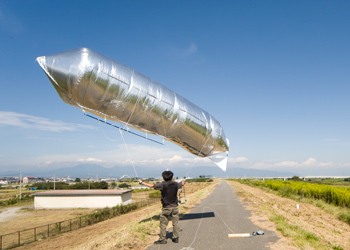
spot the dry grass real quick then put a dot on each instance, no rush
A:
(137, 196)
(308, 227)
(29, 218)
(6, 194)
(136, 230)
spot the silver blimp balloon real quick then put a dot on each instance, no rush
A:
(93, 82)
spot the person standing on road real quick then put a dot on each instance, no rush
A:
(170, 210)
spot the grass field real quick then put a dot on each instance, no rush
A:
(303, 223)
(133, 234)
(28, 217)
(331, 182)
(313, 225)
(6, 194)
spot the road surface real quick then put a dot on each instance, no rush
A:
(207, 225)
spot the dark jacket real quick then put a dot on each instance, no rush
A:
(169, 193)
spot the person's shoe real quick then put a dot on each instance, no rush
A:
(175, 240)
(160, 242)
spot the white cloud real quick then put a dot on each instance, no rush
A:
(33, 122)
(287, 164)
(90, 160)
(168, 161)
(310, 163)
(172, 160)
(238, 160)
(140, 155)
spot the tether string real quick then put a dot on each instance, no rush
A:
(120, 128)
(195, 235)
(133, 165)
(198, 155)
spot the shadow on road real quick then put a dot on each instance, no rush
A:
(155, 217)
(192, 216)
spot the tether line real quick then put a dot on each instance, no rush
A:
(198, 155)
(126, 146)
(133, 165)
(120, 128)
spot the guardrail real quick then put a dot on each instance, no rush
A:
(15, 239)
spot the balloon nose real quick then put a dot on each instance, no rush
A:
(58, 77)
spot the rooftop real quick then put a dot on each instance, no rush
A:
(83, 192)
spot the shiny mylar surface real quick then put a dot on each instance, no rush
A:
(91, 81)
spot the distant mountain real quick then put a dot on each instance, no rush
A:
(238, 172)
(92, 171)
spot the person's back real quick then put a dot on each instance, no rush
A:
(169, 194)
(170, 209)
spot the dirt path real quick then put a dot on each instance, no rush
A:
(327, 228)
(10, 213)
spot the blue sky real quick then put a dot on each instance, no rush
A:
(274, 73)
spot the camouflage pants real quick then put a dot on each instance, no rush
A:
(166, 215)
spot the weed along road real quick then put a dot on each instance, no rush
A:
(208, 225)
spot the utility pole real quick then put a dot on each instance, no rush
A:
(89, 180)
(54, 182)
(20, 185)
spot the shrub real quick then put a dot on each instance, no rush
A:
(200, 180)
(124, 185)
(155, 194)
(338, 196)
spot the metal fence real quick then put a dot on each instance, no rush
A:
(15, 239)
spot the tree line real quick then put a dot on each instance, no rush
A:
(65, 186)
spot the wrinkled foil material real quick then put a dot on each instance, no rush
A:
(93, 82)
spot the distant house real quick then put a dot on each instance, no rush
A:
(94, 198)
(139, 187)
(27, 180)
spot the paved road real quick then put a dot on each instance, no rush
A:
(207, 225)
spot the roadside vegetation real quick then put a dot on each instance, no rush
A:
(329, 181)
(10, 197)
(136, 229)
(200, 179)
(42, 232)
(16, 200)
(333, 199)
(66, 186)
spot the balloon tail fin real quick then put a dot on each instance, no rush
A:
(220, 160)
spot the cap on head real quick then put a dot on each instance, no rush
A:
(167, 175)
